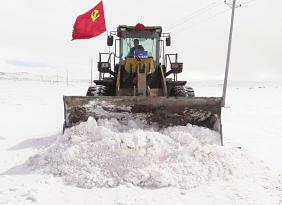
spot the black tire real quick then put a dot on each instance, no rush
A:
(181, 91)
(99, 90)
(190, 91)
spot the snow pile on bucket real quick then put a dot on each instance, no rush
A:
(108, 154)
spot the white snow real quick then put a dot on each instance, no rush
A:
(90, 155)
(106, 162)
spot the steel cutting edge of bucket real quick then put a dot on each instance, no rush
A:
(163, 111)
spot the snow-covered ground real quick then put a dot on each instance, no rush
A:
(39, 165)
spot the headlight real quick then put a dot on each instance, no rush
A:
(104, 67)
(176, 67)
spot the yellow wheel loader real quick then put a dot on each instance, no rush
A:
(140, 79)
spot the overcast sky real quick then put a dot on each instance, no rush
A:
(35, 35)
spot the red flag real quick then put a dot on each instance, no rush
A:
(90, 24)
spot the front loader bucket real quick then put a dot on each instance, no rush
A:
(157, 111)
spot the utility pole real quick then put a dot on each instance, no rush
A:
(233, 6)
(57, 79)
(67, 78)
(91, 71)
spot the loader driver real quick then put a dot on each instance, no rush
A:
(136, 47)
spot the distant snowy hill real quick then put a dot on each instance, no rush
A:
(30, 77)
(26, 76)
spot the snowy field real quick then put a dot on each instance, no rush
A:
(89, 165)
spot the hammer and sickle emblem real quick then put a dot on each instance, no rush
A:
(95, 15)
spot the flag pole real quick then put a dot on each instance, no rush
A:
(91, 79)
(106, 23)
(105, 16)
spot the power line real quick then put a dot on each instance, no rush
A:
(243, 3)
(195, 14)
(212, 16)
(248, 2)
(205, 20)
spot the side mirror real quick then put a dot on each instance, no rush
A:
(110, 40)
(168, 41)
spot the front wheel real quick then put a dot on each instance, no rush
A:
(182, 91)
(99, 90)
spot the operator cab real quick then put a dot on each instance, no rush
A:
(145, 39)
(139, 49)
